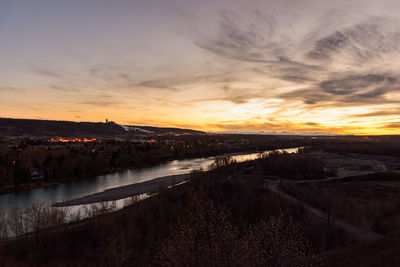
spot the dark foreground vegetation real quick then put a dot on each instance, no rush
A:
(300, 166)
(219, 218)
(224, 217)
(373, 145)
(368, 201)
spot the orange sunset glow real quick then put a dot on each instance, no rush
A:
(204, 133)
(219, 66)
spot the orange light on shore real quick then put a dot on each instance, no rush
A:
(72, 140)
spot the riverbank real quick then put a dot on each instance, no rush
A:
(127, 191)
(43, 183)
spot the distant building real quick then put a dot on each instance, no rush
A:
(37, 174)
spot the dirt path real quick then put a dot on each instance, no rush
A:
(360, 234)
(376, 166)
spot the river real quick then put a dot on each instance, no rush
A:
(72, 190)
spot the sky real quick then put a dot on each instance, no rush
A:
(287, 66)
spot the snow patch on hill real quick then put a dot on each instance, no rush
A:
(132, 128)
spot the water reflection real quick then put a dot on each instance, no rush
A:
(72, 190)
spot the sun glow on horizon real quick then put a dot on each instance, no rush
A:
(228, 66)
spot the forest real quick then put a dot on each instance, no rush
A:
(227, 216)
(219, 218)
(23, 159)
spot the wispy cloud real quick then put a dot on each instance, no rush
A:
(297, 64)
(393, 125)
(10, 89)
(49, 73)
(360, 43)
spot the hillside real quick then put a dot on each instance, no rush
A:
(36, 128)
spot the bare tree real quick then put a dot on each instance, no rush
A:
(276, 242)
(16, 221)
(130, 201)
(117, 249)
(99, 208)
(209, 239)
(3, 226)
(35, 216)
(205, 240)
(58, 215)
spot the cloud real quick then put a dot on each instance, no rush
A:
(380, 113)
(176, 83)
(370, 85)
(246, 36)
(63, 88)
(237, 97)
(103, 100)
(294, 71)
(259, 54)
(109, 74)
(49, 73)
(163, 83)
(309, 96)
(101, 103)
(313, 124)
(10, 89)
(326, 73)
(350, 64)
(347, 89)
(359, 43)
(393, 125)
(325, 47)
(275, 127)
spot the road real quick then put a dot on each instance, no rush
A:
(360, 234)
(375, 165)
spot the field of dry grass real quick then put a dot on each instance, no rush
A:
(369, 204)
